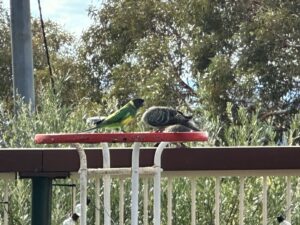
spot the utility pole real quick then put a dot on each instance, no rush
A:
(21, 43)
(23, 85)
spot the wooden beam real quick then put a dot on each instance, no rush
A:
(65, 160)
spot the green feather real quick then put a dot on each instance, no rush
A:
(120, 118)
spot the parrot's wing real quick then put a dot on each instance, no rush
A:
(120, 115)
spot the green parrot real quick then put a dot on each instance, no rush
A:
(121, 117)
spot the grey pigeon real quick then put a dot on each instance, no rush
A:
(160, 117)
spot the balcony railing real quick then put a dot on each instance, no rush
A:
(194, 167)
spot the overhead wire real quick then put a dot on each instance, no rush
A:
(46, 49)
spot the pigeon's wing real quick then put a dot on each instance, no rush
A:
(177, 117)
(156, 116)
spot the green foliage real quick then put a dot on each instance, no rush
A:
(246, 129)
(64, 63)
(233, 64)
(19, 202)
(5, 56)
(138, 51)
(200, 53)
(19, 130)
(217, 80)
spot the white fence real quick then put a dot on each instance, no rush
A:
(193, 178)
(199, 187)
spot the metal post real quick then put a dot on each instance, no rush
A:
(41, 200)
(121, 202)
(265, 201)
(97, 201)
(6, 193)
(156, 191)
(106, 184)
(146, 201)
(193, 203)
(170, 203)
(135, 183)
(241, 200)
(83, 182)
(73, 198)
(21, 42)
(288, 198)
(217, 200)
(83, 189)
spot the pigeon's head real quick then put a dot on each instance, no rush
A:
(138, 102)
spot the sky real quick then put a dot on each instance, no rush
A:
(71, 14)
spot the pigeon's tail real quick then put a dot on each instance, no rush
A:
(188, 117)
(192, 125)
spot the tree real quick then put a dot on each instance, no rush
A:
(203, 53)
(136, 49)
(269, 55)
(5, 57)
(62, 51)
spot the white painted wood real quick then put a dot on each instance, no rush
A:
(265, 200)
(97, 172)
(170, 202)
(146, 201)
(231, 173)
(5, 214)
(193, 202)
(135, 183)
(288, 198)
(73, 196)
(97, 201)
(121, 201)
(83, 183)
(217, 200)
(106, 185)
(241, 200)
(157, 177)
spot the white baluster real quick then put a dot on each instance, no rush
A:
(265, 201)
(146, 201)
(241, 200)
(97, 201)
(170, 205)
(193, 197)
(121, 201)
(288, 198)
(217, 200)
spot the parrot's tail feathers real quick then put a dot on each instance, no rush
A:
(95, 120)
(90, 129)
(99, 122)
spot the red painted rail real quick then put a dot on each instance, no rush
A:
(120, 137)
